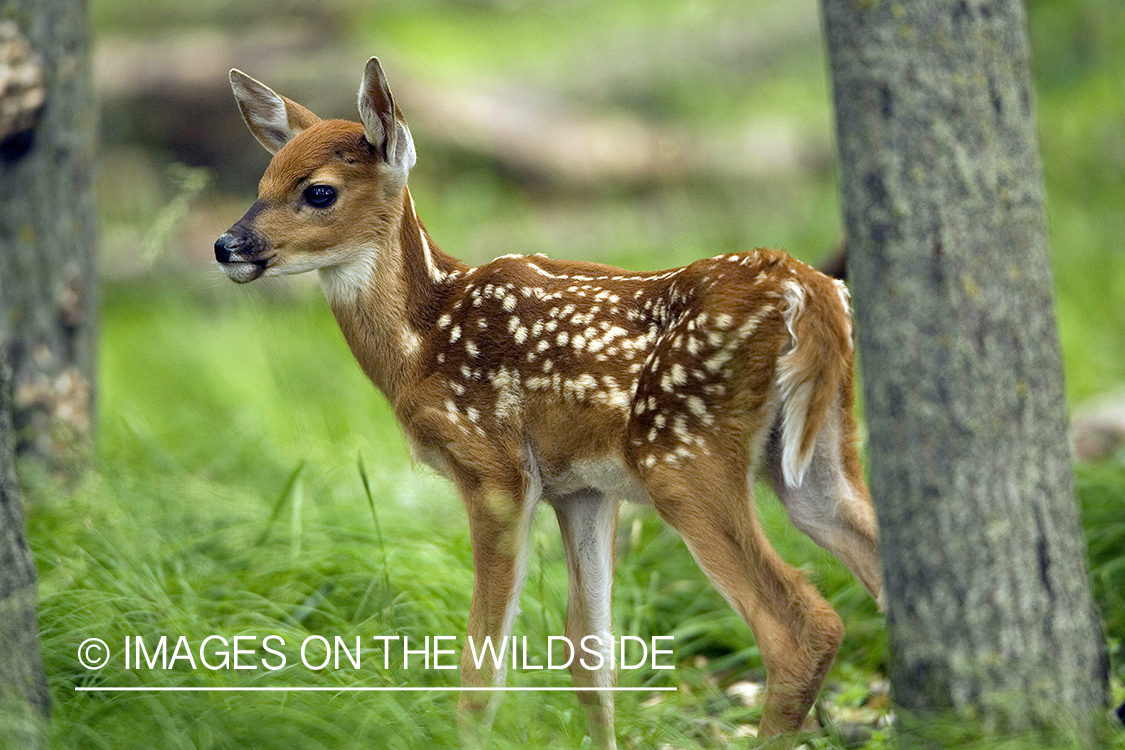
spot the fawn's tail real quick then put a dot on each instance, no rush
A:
(810, 372)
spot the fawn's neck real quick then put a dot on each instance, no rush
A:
(384, 299)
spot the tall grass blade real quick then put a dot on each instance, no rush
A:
(297, 504)
(279, 504)
(310, 605)
(378, 528)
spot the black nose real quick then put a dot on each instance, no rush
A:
(226, 245)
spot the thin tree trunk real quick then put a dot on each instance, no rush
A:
(24, 700)
(47, 291)
(989, 608)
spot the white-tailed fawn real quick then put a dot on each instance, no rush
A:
(580, 385)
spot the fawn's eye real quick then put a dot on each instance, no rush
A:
(320, 196)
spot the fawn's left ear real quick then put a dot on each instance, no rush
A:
(385, 126)
(273, 119)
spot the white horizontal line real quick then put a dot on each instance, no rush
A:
(322, 689)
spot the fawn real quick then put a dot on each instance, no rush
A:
(583, 385)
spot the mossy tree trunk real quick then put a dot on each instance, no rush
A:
(24, 700)
(47, 236)
(989, 609)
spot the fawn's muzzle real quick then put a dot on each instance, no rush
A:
(226, 246)
(241, 252)
(239, 257)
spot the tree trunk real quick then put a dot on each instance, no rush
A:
(47, 291)
(24, 700)
(989, 609)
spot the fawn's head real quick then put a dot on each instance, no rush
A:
(333, 189)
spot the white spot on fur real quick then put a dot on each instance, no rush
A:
(697, 406)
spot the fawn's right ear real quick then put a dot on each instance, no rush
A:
(273, 119)
(383, 123)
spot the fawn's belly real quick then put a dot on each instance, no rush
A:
(607, 475)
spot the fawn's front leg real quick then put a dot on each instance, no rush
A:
(588, 522)
(499, 524)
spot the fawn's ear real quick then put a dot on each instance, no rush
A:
(273, 119)
(385, 126)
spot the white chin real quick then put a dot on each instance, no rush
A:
(242, 272)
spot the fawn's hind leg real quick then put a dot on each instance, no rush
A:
(709, 501)
(832, 505)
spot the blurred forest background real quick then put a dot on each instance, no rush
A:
(250, 481)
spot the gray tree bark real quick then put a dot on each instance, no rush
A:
(990, 615)
(24, 699)
(47, 234)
